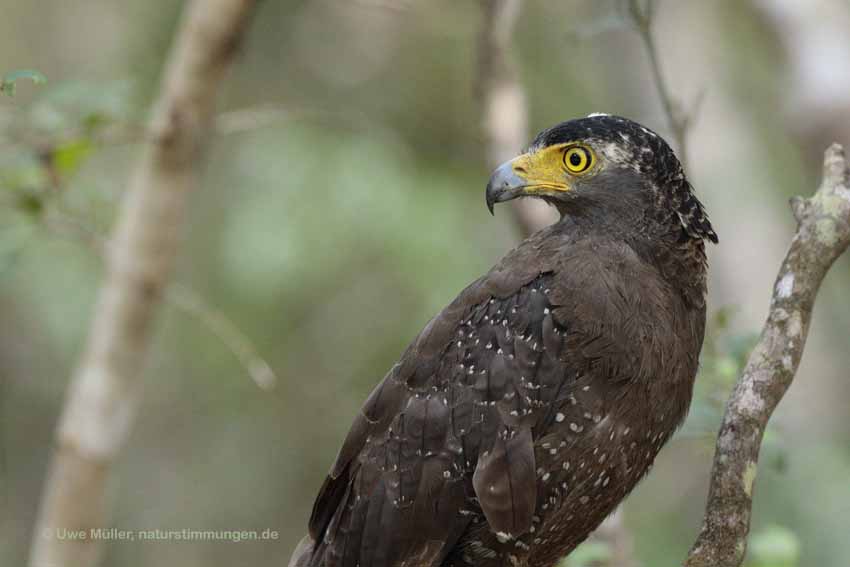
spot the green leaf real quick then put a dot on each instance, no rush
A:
(774, 546)
(722, 318)
(69, 156)
(9, 80)
(31, 203)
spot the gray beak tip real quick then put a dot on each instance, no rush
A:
(504, 185)
(490, 200)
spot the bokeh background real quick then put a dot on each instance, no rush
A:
(349, 209)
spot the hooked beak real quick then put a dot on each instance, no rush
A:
(504, 185)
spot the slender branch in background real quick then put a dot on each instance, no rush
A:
(823, 234)
(184, 298)
(227, 123)
(104, 393)
(228, 333)
(252, 118)
(503, 103)
(679, 119)
(505, 128)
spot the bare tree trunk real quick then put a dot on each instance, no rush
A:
(823, 234)
(104, 393)
(505, 127)
(504, 108)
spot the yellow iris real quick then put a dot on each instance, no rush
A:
(578, 159)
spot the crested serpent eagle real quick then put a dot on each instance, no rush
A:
(530, 406)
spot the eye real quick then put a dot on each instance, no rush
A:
(578, 159)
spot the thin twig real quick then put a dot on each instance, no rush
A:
(679, 119)
(182, 297)
(226, 123)
(822, 235)
(252, 118)
(216, 321)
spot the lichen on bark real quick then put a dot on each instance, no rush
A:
(823, 234)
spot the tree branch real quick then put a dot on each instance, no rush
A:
(182, 297)
(105, 391)
(505, 128)
(227, 332)
(823, 234)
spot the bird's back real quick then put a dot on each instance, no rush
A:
(519, 417)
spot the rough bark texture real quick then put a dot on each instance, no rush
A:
(104, 393)
(823, 234)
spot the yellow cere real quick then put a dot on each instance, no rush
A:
(553, 166)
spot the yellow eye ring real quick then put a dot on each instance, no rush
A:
(578, 159)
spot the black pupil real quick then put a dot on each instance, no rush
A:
(575, 159)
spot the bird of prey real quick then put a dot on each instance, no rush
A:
(530, 406)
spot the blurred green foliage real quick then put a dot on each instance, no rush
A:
(588, 554)
(331, 234)
(723, 357)
(773, 546)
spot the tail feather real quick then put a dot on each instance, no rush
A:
(303, 552)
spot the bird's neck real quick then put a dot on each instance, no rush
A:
(662, 242)
(681, 261)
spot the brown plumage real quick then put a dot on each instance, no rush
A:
(528, 408)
